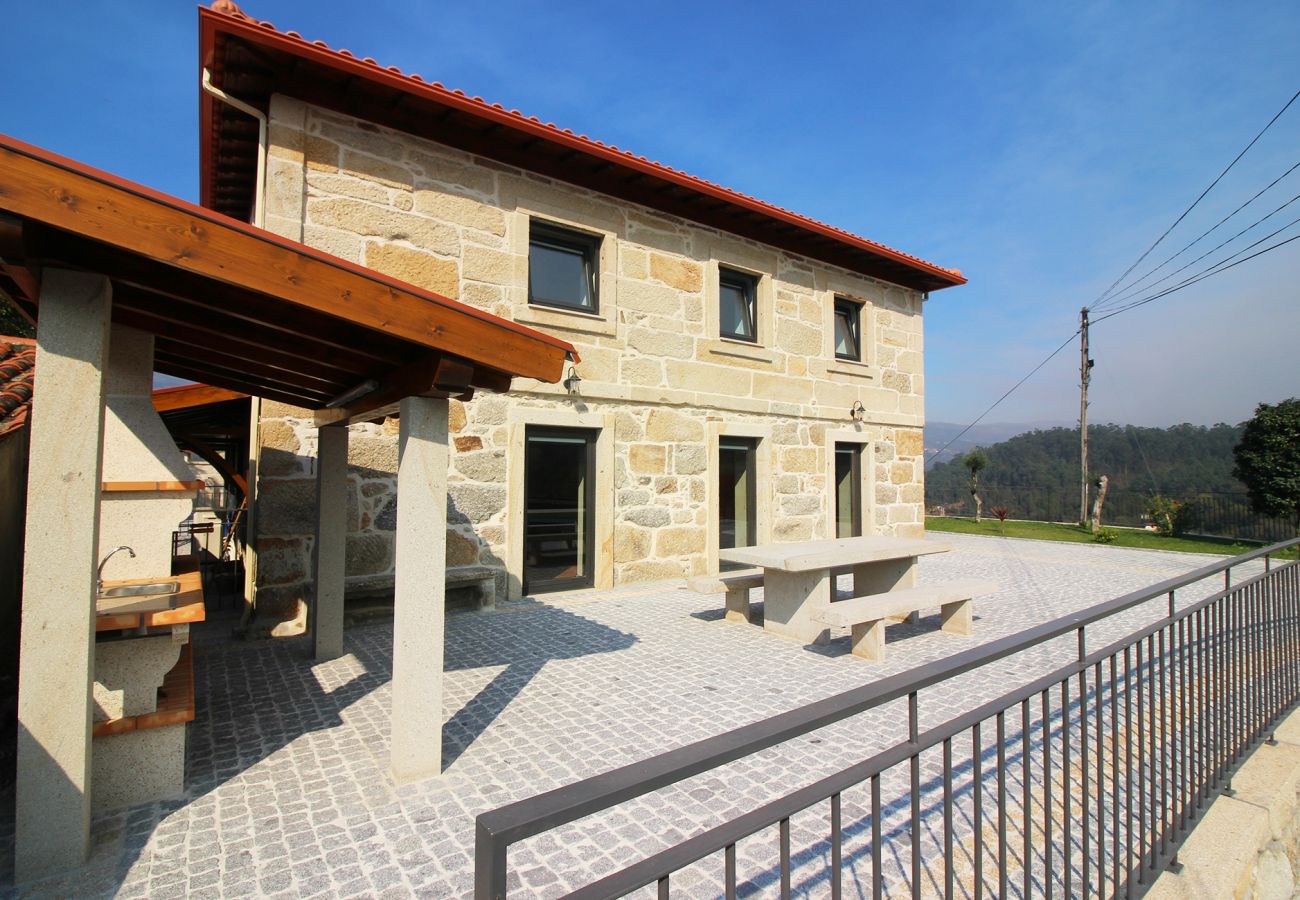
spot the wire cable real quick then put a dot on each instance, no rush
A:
(1213, 270)
(1200, 238)
(1195, 202)
(1130, 292)
(1007, 394)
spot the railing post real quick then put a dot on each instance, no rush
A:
(489, 865)
(914, 736)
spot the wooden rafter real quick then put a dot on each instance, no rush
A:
(207, 270)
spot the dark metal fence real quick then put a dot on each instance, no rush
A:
(1211, 513)
(1079, 783)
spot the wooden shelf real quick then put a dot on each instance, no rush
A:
(175, 702)
(150, 486)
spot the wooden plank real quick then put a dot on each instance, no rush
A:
(194, 240)
(311, 396)
(192, 611)
(220, 359)
(160, 313)
(188, 396)
(111, 486)
(225, 379)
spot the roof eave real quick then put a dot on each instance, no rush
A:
(918, 274)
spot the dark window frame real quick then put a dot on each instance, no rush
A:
(585, 579)
(567, 240)
(850, 313)
(749, 446)
(747, 283)
(857, 512)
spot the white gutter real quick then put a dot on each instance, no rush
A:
(243, 107)
(255, 404)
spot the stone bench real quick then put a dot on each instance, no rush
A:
(866, 616)
(481, 577)
(737, 586)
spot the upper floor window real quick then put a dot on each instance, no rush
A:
(563, 267)
(848, 328)
(738, 305)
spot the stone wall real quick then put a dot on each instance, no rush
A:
(286, 508)
(654, 374)
(1247, 846)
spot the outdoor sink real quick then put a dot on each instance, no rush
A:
(157, 588)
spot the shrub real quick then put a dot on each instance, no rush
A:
(1169, 516)
(1106, 536)
(1001, 512)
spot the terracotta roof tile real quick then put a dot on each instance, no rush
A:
(17, 376)
(954, 275)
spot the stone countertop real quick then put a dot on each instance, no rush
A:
(185, 606)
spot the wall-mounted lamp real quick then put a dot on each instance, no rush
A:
(572, 380)
(857, 410)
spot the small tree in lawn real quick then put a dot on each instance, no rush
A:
(1100, 483)
(1268, 461)
(976, 462)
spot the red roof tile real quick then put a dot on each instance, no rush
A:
(936, 277)
(17, 375)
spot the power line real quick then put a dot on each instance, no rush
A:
(1200, 238)
(1195, 202)
(1006, 395)
(1212, 270)
(1129, 292)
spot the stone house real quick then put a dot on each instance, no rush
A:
(745, 374)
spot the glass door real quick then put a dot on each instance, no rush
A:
(737, 477)
(848, 490)
(559, 509)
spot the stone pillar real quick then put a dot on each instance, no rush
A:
(331, 540)
(52, 808)
(420, 590)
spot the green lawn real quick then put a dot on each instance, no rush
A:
(1125, 537)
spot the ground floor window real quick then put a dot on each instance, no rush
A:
(848, 490)
(559, 508)
(737, 506)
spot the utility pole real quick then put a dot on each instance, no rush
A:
(1085, 375)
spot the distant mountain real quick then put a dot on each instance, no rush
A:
(938, 434)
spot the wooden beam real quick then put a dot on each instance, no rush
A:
(197, 241)
(189, 442)
(192, 299)
(211, 371)
(206, 356)
(222, 379)
(166, 320)
(430, 376)
(188, 396)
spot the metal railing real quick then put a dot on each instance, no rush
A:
(1225, 514)
(1117, 753)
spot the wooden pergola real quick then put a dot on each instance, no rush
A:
(87, 255)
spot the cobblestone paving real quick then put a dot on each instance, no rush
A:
(289, 794)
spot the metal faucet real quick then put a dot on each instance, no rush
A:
(99, 584)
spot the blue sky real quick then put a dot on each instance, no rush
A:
(1039, 147)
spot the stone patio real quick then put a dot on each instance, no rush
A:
(289, 793)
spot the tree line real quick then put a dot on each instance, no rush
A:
(1177, 461)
